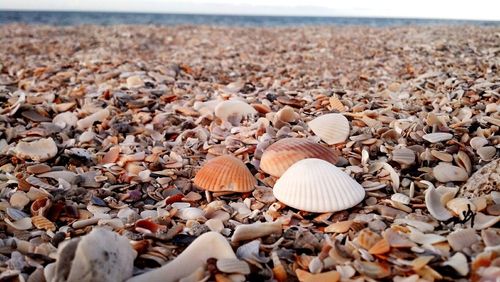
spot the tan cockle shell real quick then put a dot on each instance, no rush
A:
(225, 173)
(331, 128)
(316, 185)
(403, 156)
(278, 157)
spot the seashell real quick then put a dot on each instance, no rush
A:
(482, 221)
(462, 238)
(442, 156)
(21, 224)
(285, 116)
(215, 224)
(38, 168)
(336, 104)
(233, 266)
(463, 160)
(40, 150)
(88, 121)
(460, 206)
(40, 205)
(374, 270)
(147, 225)
(445, 172)
(396, 239)
(345, 271)
(487, 153)
(400, 198)
(394, 176)
(420, 262)
(208, 245)
(425, 239)
(41, 222)
(420, 225)
(225, 173)
(315, 185)
(458, 262)
(238, 108)
(16, 214)
(250, 252)
(339, 227)
(379, 248)
(492, 120)
(278, 157)
(491, 237)
(19, 200)
(190, 213)
(315, 265)
(403, 156)
(304, 276)
(111, 156)
(255, 230)
(367, 238)
(134, 81)
(69, 176)
(434, 205)
(478, 142)
(66, 119)
(101, 255)
(264, 194)
(331, 128)
(437, 137)
(492, 209)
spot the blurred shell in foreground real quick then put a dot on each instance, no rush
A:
(281, 155)
(315, 185)
(331, 128)
(225, 173)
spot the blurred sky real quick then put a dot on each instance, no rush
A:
(443, 9)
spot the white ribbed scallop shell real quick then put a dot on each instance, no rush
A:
(331, 128)
(316, 185)
(233, 107)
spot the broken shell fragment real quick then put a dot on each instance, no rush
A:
(437, 137)
(459, 262)
(88, 121)
(208, 245)
(403, 156)
(330, 276)
(278, 157)
(462, 238)
(224, 110)
(434, 205)
(101, 255)
(19, 200)
(225, 173)
(460, 206)
(331, 128)
(478, 142)
(487, 153)
(255, 230)
(39, 150)
(445, 172)
(401, 198)
(316, 185)
(233, 266)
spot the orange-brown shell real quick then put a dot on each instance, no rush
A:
(41, 222)
(225, 173)
(278, 157)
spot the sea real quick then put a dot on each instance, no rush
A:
(106, 18)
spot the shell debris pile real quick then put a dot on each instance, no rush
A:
(201, 153)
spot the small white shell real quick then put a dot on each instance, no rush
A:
(403, 156)
(445, 172)
(255, 230)
(316, 185)
(233, 266)
(487, 153)
(190, 213)
(482, 221)
(434, 205)
(229, 108)
(39, 150)
(401, 198)
(478, 142)
(459, 262)
(437, 137)
(21, 224)
(331, 128)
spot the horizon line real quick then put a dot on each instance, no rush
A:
(250, 15)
